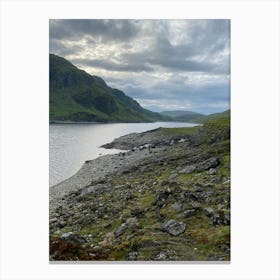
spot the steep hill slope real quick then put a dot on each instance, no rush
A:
(77, 96)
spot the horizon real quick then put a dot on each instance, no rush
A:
(165, 65)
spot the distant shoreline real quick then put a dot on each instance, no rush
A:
(84, 122)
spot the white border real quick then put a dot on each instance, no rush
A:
(255, 138)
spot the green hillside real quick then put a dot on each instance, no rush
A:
(77, 96)
(216, 116)
(182, 116)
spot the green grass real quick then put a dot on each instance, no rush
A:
(178, 130)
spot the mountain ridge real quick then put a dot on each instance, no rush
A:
(77, 96)
(189, 116)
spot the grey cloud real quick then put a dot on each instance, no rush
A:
(112, 66)
(207, 99)
(61, 48)
(106, 30)
(195, 48)
(208, 38)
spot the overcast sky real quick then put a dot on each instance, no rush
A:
(163, 64)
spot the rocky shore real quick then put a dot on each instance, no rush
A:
(166, 197)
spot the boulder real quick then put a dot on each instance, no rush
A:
(209, 211)
(72, 237)
(121, 229)
(174, 228)
(188, 169)
(209, 163)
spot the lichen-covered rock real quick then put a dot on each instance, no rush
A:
(188, 169)
(120, 230)
(174, 228)
(209, 163)
(72, 237)
(209, 211)
(188, 213)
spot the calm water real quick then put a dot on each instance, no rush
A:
(72, 144)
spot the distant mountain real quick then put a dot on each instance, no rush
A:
(188, 116)
(78, 96)
(203, 119)
(182, 116)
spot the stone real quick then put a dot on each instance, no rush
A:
(220, 218)
(173, 176)
(216, 180)
(174, 228)
(209, 211)
(214, 257)
(72, 237)
(161, 257)
(132, 256)
(212, 171)
(209, 163)
(120, 230)
(195, 205)
(177, 207)
(188, 213)
(188, 169)
(54, 220)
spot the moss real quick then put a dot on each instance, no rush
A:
(179, 130)
(147, 201)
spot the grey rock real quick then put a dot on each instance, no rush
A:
(177, 207)
(195, 205)
(208, 194)
(120, 230)
(54, 220)
(174, 228)
(209, 211)
(216, 180)
(188, 213)
(132, 256)
(161, 257)
(220, 218)
(220, 206)
(72, 237)
(173, 176)
(215, 257)
(212, 171)
(209, 163)
(188, 169)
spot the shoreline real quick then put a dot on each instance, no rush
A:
(137, 149)
(166, 199)
(105, 148)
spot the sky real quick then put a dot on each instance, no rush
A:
(163, 64)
